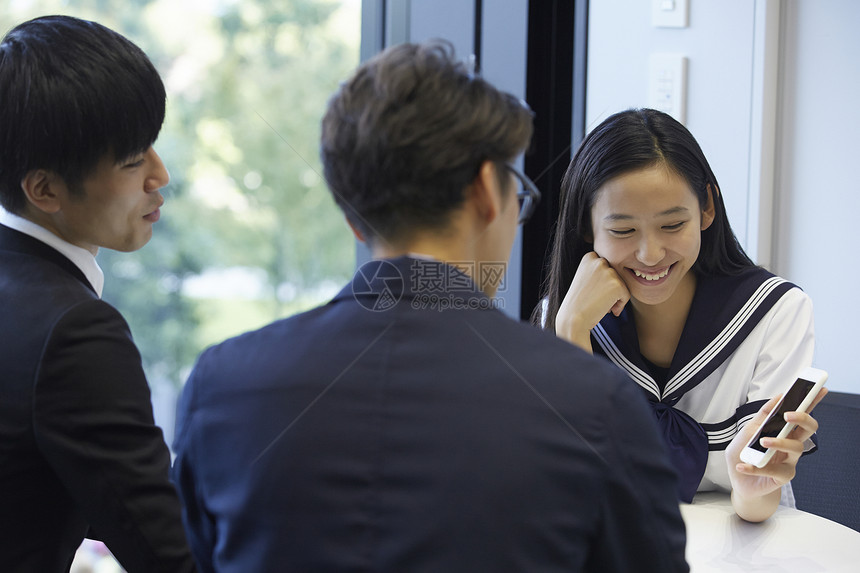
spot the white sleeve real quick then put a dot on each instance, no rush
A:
(787, 346)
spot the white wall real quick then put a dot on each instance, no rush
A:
(817, 119)
(719, 46)
(817, 238)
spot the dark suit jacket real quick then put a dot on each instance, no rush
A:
(382, 433)
(78, 446)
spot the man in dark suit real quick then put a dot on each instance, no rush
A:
(408, 424)
(80, 107)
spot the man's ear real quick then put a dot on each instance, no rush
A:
(708, 213)
(42, 189)
(485, 193)
(358, 234)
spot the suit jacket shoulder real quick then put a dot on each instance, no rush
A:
(78, 445)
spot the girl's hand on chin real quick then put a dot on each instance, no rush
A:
(596, 290)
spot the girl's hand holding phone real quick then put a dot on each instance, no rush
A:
(752, 485)
(596, 290)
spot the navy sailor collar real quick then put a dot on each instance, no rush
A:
(724, 311)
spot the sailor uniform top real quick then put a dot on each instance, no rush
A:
(746, 337)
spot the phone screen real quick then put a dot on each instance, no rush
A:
(776, 421)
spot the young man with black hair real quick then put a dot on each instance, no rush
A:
(80, 454)
(408, 424)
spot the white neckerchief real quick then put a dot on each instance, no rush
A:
(82, 258)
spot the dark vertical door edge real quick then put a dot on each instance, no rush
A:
(479, 23)
(555, 90)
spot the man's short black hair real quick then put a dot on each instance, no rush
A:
(404, 137)
(71, 93)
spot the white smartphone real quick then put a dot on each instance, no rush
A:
(797, 398)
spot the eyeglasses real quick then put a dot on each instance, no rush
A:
(528, 196)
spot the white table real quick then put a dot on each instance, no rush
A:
(791, 540)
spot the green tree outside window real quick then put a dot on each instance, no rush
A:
(249, 232)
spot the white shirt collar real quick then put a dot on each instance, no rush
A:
(82, 258)
(422, 256)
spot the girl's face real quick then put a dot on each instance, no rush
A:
(648, 225)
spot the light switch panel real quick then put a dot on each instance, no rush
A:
(667, 85)
(670, 13)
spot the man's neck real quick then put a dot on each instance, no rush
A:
(451, 251)
(82, 258)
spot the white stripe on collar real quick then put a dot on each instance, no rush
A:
(694, 366)
(82, 258)
(615, 355)
(720, 342)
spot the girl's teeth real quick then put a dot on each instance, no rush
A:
(651, 277)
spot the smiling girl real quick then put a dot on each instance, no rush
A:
(647, 272)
